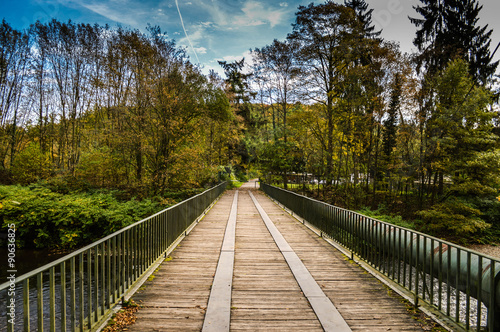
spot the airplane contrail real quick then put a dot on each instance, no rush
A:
(184, 28)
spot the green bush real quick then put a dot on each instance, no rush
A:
(454, 218)
(31, 165)
(46, 219)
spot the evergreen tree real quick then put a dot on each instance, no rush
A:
(364, 15)
(390, 124)
(468, 40)
(447, 30)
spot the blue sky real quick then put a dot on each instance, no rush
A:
(218, 29)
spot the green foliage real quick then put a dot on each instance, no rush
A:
(455, 218)
(46, 219)
(31, 164)
(98, 167)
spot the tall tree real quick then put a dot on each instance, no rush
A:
(276, 66)
(329, 38)
(390, 123)
(364, 14)
(448, 29)
(14, 56)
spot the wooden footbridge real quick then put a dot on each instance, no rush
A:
(249, 265)
(239, 260)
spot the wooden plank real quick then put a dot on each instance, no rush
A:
(218, 315)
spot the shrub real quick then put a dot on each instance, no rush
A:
(453, 218)
(31, 164)
(45, 219)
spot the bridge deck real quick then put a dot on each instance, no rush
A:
(265, 294)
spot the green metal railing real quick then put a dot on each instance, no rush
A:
(459, 286)
(78, 292)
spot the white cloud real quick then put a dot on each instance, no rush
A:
(283, 4)
(200, 50)
(257, 14)
(114, 14)
(231, 58)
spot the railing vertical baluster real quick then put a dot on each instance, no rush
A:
(52, 299)
(97, 284)
(90, 316)
(424, 270)
(448, 277)
(457, 290)
(81, 292)
(431, 274)
(440, 276)
(468, 285)
(392, 250)
(410, 262)
(479, 293)
(113, 271)
(109, 275)
(417, 268)
(26, 304)
(63, 297)
(123, 263)
(72, 293)
(375, 255)
(384, 249)
(491, 305)
(135, 238)
(405, 260)
(39, 290)
(103, 278)
(128, 279)
(399, 254)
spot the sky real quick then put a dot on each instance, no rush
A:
(214, 30)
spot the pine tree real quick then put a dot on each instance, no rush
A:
(448, 30)
(364, 14)
(390, 124)
(468, 40)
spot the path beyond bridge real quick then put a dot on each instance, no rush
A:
(249, 265)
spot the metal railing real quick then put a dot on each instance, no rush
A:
(458, 286)
(80, 291)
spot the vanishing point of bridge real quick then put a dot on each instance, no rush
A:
(249, 265)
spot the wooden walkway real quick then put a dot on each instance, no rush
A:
(264, 293)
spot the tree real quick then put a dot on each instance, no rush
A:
(240, 94)
(448, 29)
(14, 57)
(390, 123)
(329, 37)
(463, 150)
(364, 15)
(276, 67)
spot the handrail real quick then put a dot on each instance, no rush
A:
(457, 284)
(90, 282)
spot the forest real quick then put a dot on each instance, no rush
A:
(334, 111)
